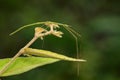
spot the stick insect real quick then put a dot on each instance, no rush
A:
(75, 34)
(41, 32)
(54, 25)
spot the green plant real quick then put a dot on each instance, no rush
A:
(35, 57)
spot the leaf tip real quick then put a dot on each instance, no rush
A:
(81, 60)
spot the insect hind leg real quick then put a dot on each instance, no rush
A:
(75, 35)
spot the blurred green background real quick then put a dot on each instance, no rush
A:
(98, 21)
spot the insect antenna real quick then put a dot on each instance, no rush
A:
(25, 26)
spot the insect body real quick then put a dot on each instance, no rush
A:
(53, 31)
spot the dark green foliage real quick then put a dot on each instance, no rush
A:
(98, 21)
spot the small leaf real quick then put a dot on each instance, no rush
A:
(45, 53)
(23, 64)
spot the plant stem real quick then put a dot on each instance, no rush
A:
(21, 51)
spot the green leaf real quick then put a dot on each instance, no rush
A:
(23, 64)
